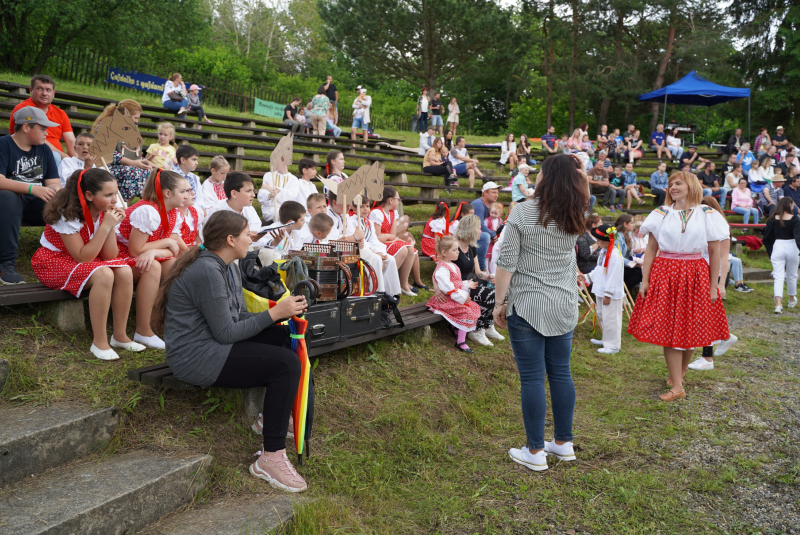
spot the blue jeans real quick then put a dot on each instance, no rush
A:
(592, 200)
(707, 192)
(175, 106)
(483, 248)
(736, 269)
(676, 152)
(747, 212)
(536, 354)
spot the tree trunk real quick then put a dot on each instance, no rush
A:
(573, 66)
(603, 115)
(549, 60)
(662, 68)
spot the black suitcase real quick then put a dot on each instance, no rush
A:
(324, 324)
(360, 315)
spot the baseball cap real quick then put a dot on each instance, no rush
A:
(779, 128)
(358, 88)
(490, 185)
(32, 115)
(524, 166)
(363, 90)
(193, 87)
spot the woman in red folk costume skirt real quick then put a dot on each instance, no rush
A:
(385, 217)
(437, 225)
(150, 234)
(79, 252)
(678, 306)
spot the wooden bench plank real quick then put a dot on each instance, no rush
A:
(36, 292)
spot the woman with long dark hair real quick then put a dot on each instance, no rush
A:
(212, 340)
(537, 272)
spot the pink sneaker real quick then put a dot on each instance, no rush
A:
(258, 426)
(276, 469)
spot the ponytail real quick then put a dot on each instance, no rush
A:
(216, 230)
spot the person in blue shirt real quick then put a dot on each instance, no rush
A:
(549, 142)
(630, 185)
(658, 141)
(482, 205)
(659, 183)
(519, 186)
(746, 158)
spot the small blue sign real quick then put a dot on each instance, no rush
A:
(137, 80)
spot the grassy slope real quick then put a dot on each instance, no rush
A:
(412, 437)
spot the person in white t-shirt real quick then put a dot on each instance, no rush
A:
(276, 188)
(305, 186)
(241, 191)
(82, 159)
(463, 165)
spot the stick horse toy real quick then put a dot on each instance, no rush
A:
(119, 126)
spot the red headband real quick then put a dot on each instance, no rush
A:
(87, 214)
(162, 208)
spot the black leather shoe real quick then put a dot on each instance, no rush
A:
(465, 350)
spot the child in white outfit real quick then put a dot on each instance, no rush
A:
(608, 287)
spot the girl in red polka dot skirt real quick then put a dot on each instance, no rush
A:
(79, 252)
(150, 235)
(678, 306)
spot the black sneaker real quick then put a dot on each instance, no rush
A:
(9, 275)
(420, 287)
(742, 288)
(747, 288)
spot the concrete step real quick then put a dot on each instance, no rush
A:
(34, 439)
(756, 274)
(113, 496)
(245, 515)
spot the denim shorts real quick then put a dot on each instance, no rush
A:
(460, 169)
(436, 120)
(358, 122)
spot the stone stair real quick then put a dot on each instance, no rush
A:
(51, 483)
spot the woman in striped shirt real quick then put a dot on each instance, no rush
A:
(537, 271)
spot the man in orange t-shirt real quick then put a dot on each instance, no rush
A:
(43, 89)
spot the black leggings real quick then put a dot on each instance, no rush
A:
(484, 298)
(198, 110)
(266, 360)
(446, 169)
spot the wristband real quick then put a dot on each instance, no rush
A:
(30, 188)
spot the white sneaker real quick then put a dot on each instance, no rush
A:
(492, 333)
(607, 351)
(701, 364)
(103, 354)
(725, 345)
(127, 346)
(596, 342)
(778, 310)
(536, 461)
(480, 337)
(564, 452)
(150, 341)
(792, 302)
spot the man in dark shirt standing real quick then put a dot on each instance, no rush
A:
(549, 141)
(436, 114)
(28, 179)
(333, 95)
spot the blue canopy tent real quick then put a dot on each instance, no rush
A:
(695, 90)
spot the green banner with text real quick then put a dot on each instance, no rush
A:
(268, 109)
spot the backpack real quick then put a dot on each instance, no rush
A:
(263, 281)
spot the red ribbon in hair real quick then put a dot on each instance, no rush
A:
(327, 169)
(162, 208)
(458, 212)
(610, 250)
(87, 214)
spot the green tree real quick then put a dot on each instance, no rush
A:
(771, 59)
(32, 32)
(425, 43)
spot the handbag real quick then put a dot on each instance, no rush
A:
(263, 281)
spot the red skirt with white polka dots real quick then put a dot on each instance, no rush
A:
(677, 311)
(58, 270)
